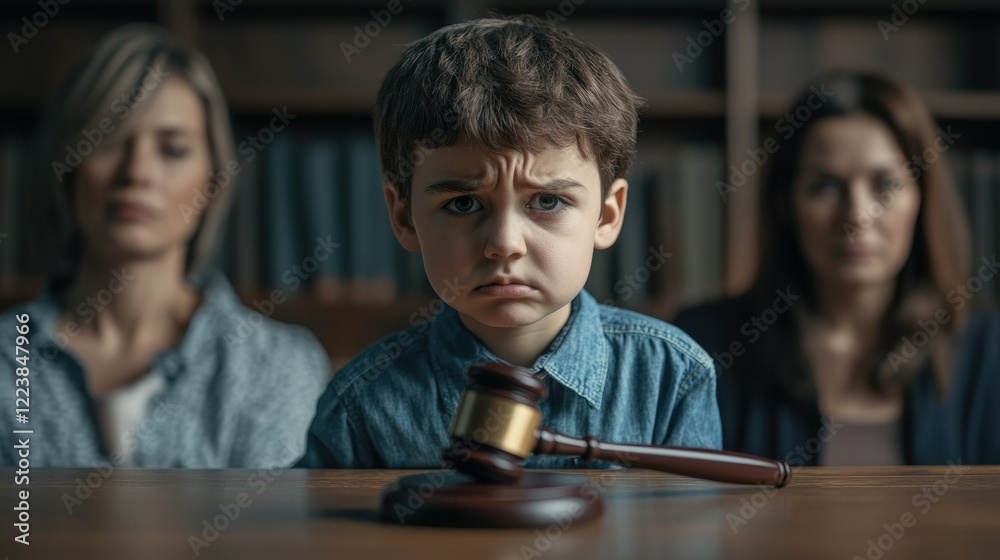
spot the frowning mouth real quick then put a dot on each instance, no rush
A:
(505, 286)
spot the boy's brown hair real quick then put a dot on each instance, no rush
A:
(508, 84)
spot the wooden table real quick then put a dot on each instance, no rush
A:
(843, 513)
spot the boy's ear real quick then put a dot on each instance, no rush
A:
(402, 221)
(612, 215)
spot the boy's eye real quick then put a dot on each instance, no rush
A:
(463, 205)
(546, 202)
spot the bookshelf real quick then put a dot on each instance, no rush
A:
(289, 53)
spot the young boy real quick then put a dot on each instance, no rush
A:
(504, 144)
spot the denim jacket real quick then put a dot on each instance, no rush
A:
(614, 374)
(238, 391)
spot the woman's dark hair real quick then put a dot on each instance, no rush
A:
(939, 258)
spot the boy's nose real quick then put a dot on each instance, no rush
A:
(505, 239)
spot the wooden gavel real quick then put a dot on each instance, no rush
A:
(498, 425)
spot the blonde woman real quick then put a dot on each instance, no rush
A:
(139, 356)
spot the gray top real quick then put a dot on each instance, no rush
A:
(864, 445)
(238, 390)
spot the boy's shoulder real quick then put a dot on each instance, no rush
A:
(394, 358)
(635, 327)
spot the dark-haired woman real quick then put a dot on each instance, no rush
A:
(856, 344)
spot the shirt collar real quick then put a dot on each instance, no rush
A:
(577, 358)
(219, 302)
(220, 308)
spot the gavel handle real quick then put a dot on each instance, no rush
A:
(723, 466)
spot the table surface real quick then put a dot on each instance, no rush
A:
(844, 513)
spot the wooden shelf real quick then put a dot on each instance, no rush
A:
(693, 104)
(287, 53)
(953, 104)
(872, 6)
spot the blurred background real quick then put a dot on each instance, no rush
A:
(716, 83)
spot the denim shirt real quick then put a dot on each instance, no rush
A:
(614, 374)
(238, 391)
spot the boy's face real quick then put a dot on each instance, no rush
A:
(507, 238)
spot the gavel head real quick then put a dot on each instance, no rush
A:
(495, 426)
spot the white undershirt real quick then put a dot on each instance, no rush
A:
(120, 412)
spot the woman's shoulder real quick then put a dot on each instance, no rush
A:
(720, 307)
(978, 347)
(718, 318)
(14, 322)
(37, 315)
(248, 333)
(983, 328)
(975, 388)
(42, 306)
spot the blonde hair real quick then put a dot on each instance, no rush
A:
(110, 80)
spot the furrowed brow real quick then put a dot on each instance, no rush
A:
(559, 184)
(452, 186)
